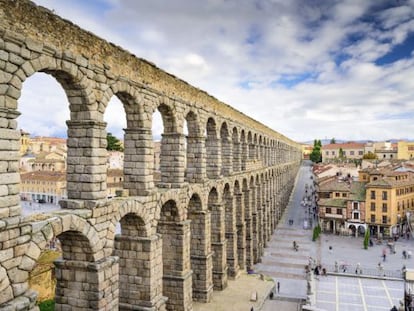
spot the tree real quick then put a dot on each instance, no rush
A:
(333, 141)
(341, 153)
(369, 156)
(366, 239)
(316, 155)
(113, 143)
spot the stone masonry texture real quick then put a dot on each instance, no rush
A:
(222, 189)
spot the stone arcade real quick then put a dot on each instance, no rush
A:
(222, 190)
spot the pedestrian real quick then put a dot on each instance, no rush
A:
(330, 249)
(278, 287)
(384, 254)
(358, 268)
(404, 253)
(336, 266)
(380, 268)
(251, 309)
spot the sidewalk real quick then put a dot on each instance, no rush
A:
(237, 296)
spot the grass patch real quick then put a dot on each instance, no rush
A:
(48, 305)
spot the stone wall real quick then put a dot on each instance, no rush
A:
(220, 196)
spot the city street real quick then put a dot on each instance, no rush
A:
(337, 291)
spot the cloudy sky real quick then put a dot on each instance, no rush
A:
(306, 68)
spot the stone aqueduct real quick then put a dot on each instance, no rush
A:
(222, 191)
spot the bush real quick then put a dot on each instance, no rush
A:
(47, 305)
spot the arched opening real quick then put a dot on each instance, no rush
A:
(43, 147)
(157, 130)
(116, 122)
(200, 250)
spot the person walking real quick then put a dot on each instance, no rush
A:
(278, 287)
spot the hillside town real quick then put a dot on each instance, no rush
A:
(356, 192)
(353, 194)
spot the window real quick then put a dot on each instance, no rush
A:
(384, 195)
(355, 215)
(344, 153)
(337, 194)
(326, 152)
(328, 210)
(372, 206)
(355, 205)
(339, 211)
(384, 207)
(360, 152)
(373, 194)
(344, 195)
(333, 152)
(372, 218)
(352, 152)
(384, 219)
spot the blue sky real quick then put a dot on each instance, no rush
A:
(308, 69)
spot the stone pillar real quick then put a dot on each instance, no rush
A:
(140, 272)
(231, 237)
(244, 155)
(177, 274)
(219, 246)
(82, 285)
(172, 159)
(196, 159)
(236, 156)
(241, 231)
(259, 217)
(255, 237)
(9, 168)
(86, 161)
(201, 256)
(226, 156)
(213, 150)
(249, 229)
(138, 161)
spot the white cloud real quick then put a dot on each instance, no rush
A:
(247, 52)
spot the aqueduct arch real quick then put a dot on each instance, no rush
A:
(206, 221)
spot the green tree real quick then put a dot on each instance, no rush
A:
(333, 141)
(369, 156)
(341, 153)
(316, 155)
(366, 239)
(113, 143)
(316, 232)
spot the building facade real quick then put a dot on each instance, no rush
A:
(350, 151)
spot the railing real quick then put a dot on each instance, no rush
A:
(354, 270)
